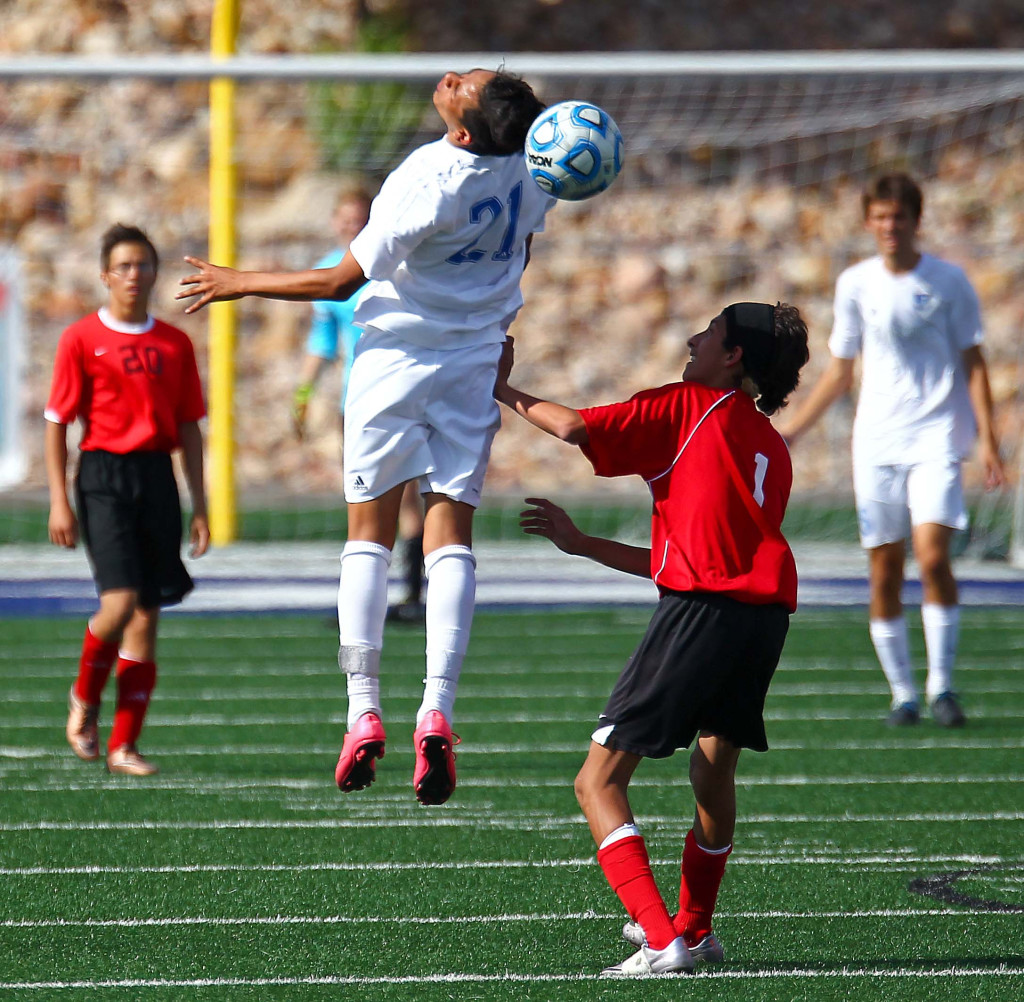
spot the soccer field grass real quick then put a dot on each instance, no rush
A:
(241, 872)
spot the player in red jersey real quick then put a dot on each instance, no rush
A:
(132, 381)
(720, 477)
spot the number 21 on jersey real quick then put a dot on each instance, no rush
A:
(491, 211)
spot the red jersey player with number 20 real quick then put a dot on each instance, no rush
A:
(720, 477)
(132, 381)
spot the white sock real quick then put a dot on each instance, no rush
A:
(623, 831)
(714, 852)
(893, 649)
(451, 596)
(941, 635)
(362, 606)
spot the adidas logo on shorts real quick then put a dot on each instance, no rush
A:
(358, 484)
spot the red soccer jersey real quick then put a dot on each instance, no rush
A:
(131, 390)
(720, 476)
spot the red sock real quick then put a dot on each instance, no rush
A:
(94, 666)
(135, 683)
(628, 869)
(698, 889)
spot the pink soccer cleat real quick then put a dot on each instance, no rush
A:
(434, 777)
(363, 744)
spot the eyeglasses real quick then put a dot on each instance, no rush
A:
(126, 268)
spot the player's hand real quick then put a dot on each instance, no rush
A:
(546, 519)
(198, 536)
(300, 406)
(211, 284)
(995, 472)
(63, 526)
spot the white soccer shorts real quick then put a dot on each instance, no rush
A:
(891, 499)
(419, 413)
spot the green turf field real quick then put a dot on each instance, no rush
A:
(240, 872)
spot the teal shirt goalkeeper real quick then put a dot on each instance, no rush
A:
(332, 333)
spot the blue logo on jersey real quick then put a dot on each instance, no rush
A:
(922, 299)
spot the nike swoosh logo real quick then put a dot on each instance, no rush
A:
(101, 351)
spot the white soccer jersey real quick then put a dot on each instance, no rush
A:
(911, 330)
(445, 246)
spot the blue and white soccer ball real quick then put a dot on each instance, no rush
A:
(574, 150)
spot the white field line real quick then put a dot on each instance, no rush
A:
(895, 859)
(767, 974)
(29, 753)
(193, 630)
(539, 821)
(583, 717)
(906, 743)
(474, 690)
(190, 636)
(26, 752)
(12, 667)
(190, 632)
(271, 920)
(61, 666)
(206, 787)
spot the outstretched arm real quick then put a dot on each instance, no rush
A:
(836, 380)
(212, 283)
(981, 402)
(557, 420)
(546, 519)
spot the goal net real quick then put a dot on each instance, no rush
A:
(741, 181)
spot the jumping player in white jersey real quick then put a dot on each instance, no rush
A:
(924, 396)
(443, 251)
(333, 333)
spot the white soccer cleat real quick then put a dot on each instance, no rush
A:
(674, 959)
(633, 933)
(707, 951)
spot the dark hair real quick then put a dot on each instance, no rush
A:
(121, 234)
(899, 188)
(777, 373)
(507, 109)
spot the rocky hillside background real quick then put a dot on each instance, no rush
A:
(101, 26)
(616, 285)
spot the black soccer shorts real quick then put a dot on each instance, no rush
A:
(704, 664)
(130, 516)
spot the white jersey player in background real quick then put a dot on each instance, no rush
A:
(914, 320)
(444, 251)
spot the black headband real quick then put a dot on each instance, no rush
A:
(752, 327)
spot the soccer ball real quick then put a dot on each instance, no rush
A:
(574, 150)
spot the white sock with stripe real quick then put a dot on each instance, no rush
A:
(362, 606)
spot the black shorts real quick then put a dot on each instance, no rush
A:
(130, 517)
(704, 664)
